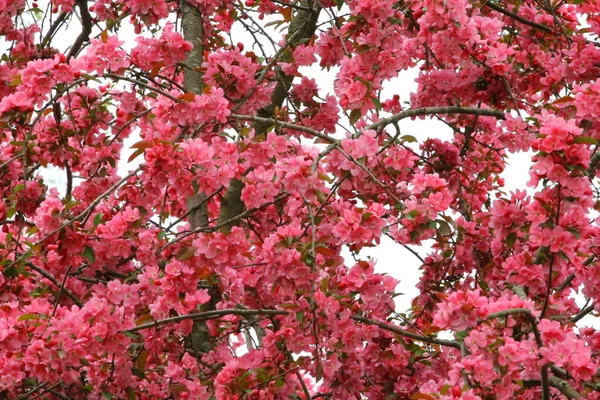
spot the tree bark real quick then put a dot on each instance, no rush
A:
(302, 27)
(199, 340)
(192, 83)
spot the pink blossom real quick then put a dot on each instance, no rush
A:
(461, 310)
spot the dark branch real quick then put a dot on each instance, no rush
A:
(202, 316)
(407, 334)
(516, 17)
(414, 112)
(86, 29)
(52, 279)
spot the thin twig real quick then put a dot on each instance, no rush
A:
(287, 125)
(585, 311)
(55, 25)
(221, 225)
(405, 333)
(52, 279)
(304, 388)
(13, 158)
(516, 17)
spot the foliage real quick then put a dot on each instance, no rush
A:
(212, 267)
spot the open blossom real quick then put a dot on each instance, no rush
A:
(63, 5)
(461, 310)
(361, 227)
(169, 49)
(556, 134)
(48, 215)
(103, 55)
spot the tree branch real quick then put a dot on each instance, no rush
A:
(203, 316)
(414, 112)
(516, 17)
(288, 125)
(55, 281)
(220, 225)
(302, 27)
(86, 29)
(564, 388)
(407, 334)
(585, 311)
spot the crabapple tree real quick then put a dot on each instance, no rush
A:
(211, 187)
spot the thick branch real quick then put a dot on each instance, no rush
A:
(86, 29)
(414, 112)
(302, 27)
(197, 205)
(193, 33)
(564, 388)
(538, 340)
(223, 224)
(192, 82)
(203, 316)
(527, 314)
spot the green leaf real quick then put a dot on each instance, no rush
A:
(430, 225)
(355, 116)
(16, 80)
(324, 285)
(585, 139)
(444, 227)
(98, 219)
(574, 231)
(10, 272)
(135, 155)
(483, 284)
(411, 215)
(89, 254)
(279, 383)
(366, 216)
(28, 317)
(18, 188)
(510, 240)
(377, 103)
(140, 362)
(319, 371)
(408, 138)
(185, 254)
(444, 389)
